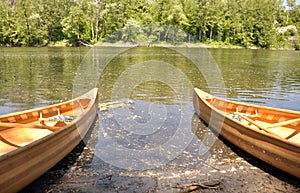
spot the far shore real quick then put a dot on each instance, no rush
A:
(164, 44)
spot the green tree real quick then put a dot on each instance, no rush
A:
(132, 32)
(51, 13)
(5, 23)
(22, 12)
(76, 25)
(238, 22)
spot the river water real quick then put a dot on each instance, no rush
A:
(33, 77)
(151, 140)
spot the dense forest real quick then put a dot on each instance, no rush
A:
(247, 23)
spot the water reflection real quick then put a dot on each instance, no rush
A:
(32, 77)
(156, 59)
(155, 128)
(159, 111)
(263, 77)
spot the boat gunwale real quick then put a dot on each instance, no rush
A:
(226, 116)
(92, 94)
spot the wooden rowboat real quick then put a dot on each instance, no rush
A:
(33, 141)
(270, 134)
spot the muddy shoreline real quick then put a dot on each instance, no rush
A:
(225, 168)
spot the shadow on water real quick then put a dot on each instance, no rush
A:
(245, 155)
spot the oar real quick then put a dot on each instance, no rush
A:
(20, 125)
(254, 123)
(283, 123)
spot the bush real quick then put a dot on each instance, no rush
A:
(297, 44)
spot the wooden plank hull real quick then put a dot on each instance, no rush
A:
(23, 165)
(279, 147)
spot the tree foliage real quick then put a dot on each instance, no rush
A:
(227, 22)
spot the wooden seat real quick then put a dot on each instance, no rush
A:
(23, 136)
(5, 148)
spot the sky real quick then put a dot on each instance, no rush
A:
(297, 2)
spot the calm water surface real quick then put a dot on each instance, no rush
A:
(264, 77)
(32, 77)
(157, 82)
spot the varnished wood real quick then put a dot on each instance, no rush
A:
(270, 134)
(20, 125)
(8, 142)
(254, 123)
(283, 123)
(29, 146)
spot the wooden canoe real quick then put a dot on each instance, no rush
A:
(270, 134)
(33, 141)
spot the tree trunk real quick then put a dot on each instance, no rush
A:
(99, 7)
(92, 28)
(200, 34)
(27, 24)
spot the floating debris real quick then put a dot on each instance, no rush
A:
(196, 186)
(115, 104)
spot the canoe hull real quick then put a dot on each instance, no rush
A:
(27, 164)
(278, 153)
